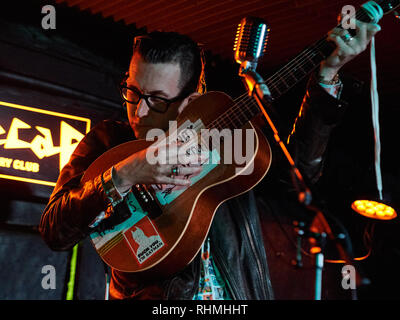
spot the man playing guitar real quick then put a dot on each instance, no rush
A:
(164, 77)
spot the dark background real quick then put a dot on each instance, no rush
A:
(76, 69)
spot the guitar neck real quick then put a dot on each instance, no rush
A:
(246, 108)
(298, 68)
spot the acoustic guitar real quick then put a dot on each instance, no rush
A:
(167, 226)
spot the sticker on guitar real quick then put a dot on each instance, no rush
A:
(143, 239)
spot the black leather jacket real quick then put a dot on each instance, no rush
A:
(235, 234)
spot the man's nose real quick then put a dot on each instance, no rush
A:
(142, 109)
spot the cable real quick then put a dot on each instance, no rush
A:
(367, 239)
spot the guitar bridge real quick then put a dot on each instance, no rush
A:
(147, 201)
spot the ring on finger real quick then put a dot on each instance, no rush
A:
(347, 37)
(174, 171)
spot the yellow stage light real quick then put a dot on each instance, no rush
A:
(373, 209)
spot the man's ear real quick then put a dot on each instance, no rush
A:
(187, 100)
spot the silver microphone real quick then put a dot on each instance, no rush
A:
(251, 40)
(251, 44)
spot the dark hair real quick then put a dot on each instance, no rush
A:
(165, 47)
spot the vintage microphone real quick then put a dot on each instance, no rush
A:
(251, 44)
(251, 40)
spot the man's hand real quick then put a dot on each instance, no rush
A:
(138, 169)
(347, 48)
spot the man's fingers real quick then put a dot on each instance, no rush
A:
(361, 34)
(191, 171)
(365, 32)
(193, 159)
(342, 47)
(187, 171)
(177, 170)
(176, 181)
(338, 31)
(372, 29)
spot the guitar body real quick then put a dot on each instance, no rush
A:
(165, 244)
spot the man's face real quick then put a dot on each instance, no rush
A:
(157, 79)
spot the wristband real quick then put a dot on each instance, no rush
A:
(109, 188)
(334, 81)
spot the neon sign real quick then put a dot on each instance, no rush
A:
(35, 144)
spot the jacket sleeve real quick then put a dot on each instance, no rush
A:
(319, 114)
(72, 205)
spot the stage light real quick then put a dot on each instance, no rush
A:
(374, 209)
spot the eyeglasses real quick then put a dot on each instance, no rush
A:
(158, 104)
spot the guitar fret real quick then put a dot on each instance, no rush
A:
(272, 87)
(244, 112)
(292, 74)
(281, 88)
(299, 72)
(310, 59)
(317, 55)
(283, 80)
(325, 49)
(234, 115)
(247, 111)
(308, 63)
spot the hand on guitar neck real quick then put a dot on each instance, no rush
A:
(347, 47)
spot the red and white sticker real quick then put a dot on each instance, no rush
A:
(143, 239)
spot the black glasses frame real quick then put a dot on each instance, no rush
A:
(146, 97)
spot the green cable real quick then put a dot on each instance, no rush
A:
(72, 273)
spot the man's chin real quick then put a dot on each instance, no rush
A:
(141, 131)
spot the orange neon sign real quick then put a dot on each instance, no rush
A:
(35, 144)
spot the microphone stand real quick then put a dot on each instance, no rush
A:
(258, 89)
